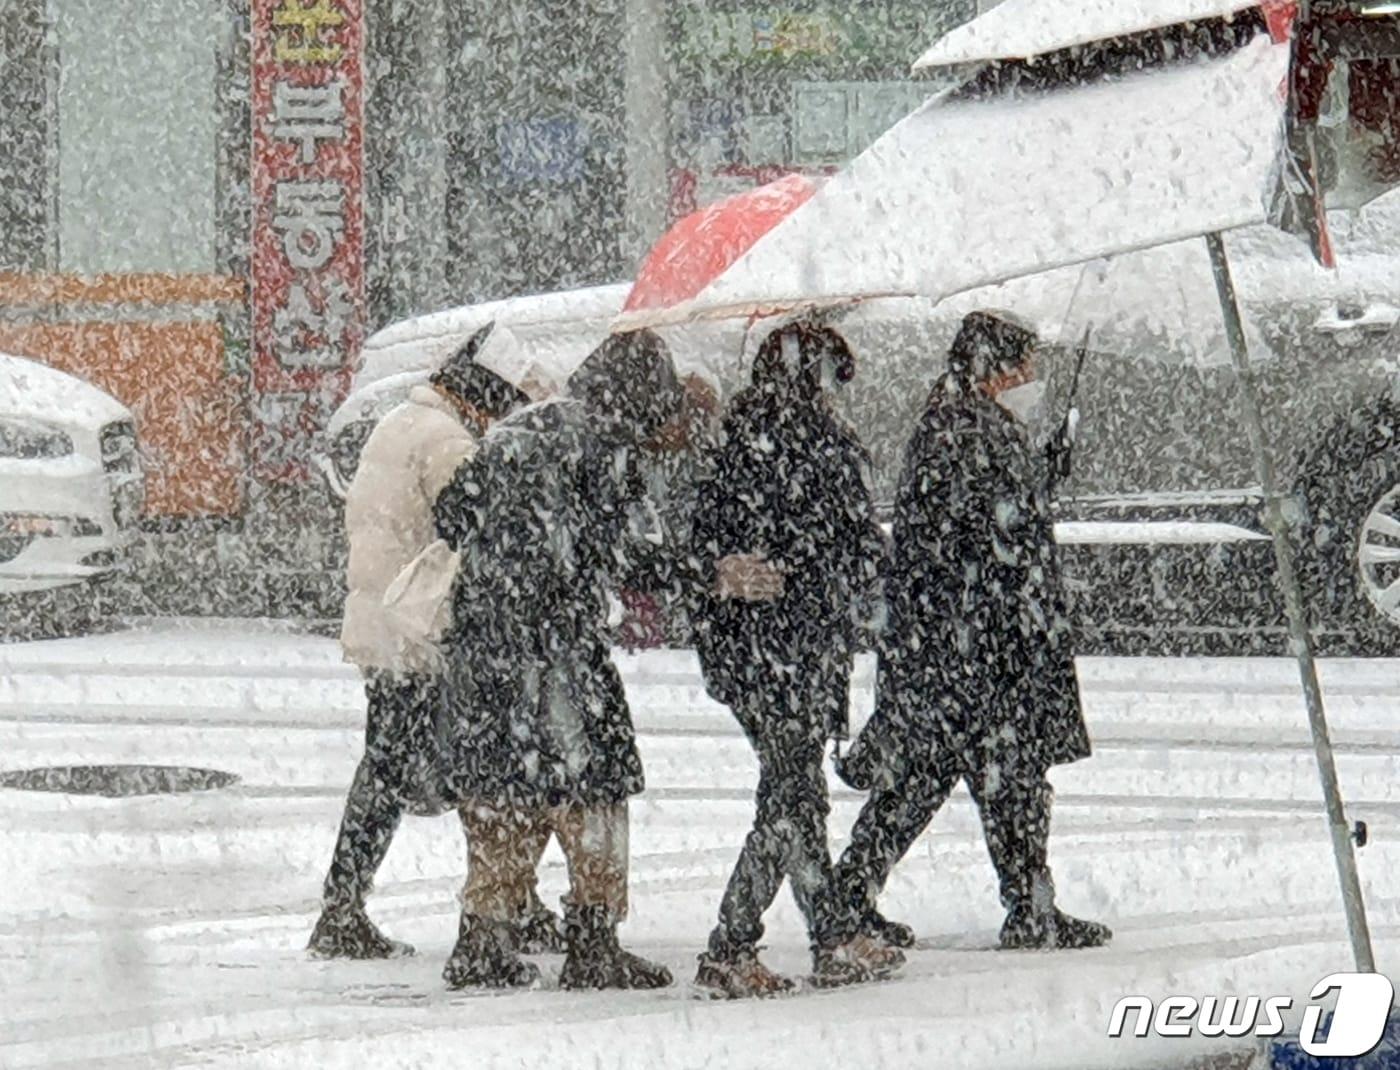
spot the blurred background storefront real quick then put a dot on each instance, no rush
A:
(205, 205)
(756, 90)
(117, 260)
(553, 113)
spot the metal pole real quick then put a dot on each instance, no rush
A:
(1298, 630)
(648, 125)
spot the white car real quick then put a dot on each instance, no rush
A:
(71, 485)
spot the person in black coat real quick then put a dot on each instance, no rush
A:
(784, 531)
(976, 677)
(538, 735)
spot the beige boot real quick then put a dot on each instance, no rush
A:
(861, 958)
(739, 976)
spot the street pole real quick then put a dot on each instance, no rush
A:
(422, 158)
(647, 120)
(1300, 635)
(406, 155)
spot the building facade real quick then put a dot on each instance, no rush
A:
(206, 204)
(519, 127)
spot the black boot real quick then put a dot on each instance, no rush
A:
(484, 958)
(1076, 933)
(541, 932)
(1034, 923)
(596, 960)
(1028, 930)
(347, 933)
(890, 933)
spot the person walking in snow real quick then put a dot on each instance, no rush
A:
(540, 739)
(785, 534)
(976, 677)
(407, 461)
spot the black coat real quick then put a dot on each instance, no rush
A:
(790, 481)
(544, 522)
(978, 656)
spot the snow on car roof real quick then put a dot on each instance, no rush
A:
(590, 302)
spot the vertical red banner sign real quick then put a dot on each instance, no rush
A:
(308, 223)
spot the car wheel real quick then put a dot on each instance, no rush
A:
(1350, 553)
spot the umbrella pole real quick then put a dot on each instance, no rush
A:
(1298, 630)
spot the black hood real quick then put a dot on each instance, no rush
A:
(989, 343)
(629, 385)
(816, 344)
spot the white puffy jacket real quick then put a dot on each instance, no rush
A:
(407, 461)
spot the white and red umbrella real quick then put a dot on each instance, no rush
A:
(705, 244)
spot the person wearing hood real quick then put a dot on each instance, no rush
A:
(540, 739)
(976, 677)
(408, 459)
(784, 533)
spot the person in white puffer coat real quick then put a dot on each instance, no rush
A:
(407, 461)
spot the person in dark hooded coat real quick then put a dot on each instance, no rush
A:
(976, 677)
(784, 529)
(538, 734)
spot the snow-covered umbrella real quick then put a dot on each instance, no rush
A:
(1343, 143)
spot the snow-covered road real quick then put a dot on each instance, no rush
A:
(168, 930)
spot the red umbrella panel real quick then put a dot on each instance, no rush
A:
(702, 246)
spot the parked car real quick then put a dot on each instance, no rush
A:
(1162, 519)
(71, 485)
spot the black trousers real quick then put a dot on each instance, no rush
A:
(1013, 800)
(788, 839)
(786, 713)
(397, 703)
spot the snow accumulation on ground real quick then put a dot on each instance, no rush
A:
(168, 931)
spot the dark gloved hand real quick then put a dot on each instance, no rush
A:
(1059, 452)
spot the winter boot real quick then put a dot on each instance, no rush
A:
(485, 958)
(889, 933)
(1076, 933)
(739, 976)
(861, 958)
(541, 932)
(347, 933)
(1027, 929)
(1034, 923)
(596, 960)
